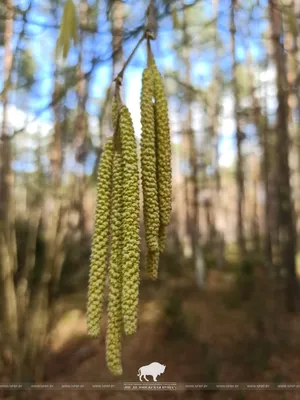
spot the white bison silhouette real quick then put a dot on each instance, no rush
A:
(154, 369)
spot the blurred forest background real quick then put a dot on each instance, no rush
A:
(225, 305)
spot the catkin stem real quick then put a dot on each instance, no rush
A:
(119, 77)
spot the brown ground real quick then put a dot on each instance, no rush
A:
(214, 338)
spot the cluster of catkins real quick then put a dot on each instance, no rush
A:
(116, 239)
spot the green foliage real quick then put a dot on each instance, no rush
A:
(246, 279)
(200, 27)
(195, 15)
(242, 76)
(68, 30)
(177, 328)
(209, 255)
(27, 68)
(244, 284)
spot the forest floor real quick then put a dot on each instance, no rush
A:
(206, 335)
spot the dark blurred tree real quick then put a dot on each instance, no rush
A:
(287, 233)
(259, 118)
(290, 9)
(7, 232)
(239, 137)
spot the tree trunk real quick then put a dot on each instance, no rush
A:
(117, 13)
(239, 140)
(189, 137)
(287, 234)
(261, 123)
(56, 150)
(81, 124)
(291, 39)
(7, 243)
(117, 22)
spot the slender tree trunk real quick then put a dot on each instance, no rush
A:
(29, 263)
(291, 39)
(116, 9)
(117, 27)
(81, 124)
(215, 115)
(255, 218)
(215, 108)
(286, 213)
(265, 176)
(189, 136)
(37, 322)
(296, 10)
(5, 177)
(7, 255)
(117, 12)
(261, 122)
(56, 146)
(117, 24)
(239, 140)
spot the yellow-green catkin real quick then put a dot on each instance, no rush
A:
(114, 112)
(152, 263)
(163, 149)
(162, 238)
(114, 318)
(148, 162)
(131, 238)
(99, 253)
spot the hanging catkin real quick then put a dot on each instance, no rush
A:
(152, 263)
(114, 325)
(131, 238)
(162, 238)
(163, 148)
(114, 113)
(116, 238)
(99, 254)
(163, 154)
(148, 163)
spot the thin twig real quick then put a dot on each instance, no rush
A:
(117, 92)
(119, 77)
(150, 57)
(149, 34)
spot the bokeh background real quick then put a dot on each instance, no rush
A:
(225, 305)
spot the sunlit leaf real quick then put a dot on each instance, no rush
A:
(68, 30)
